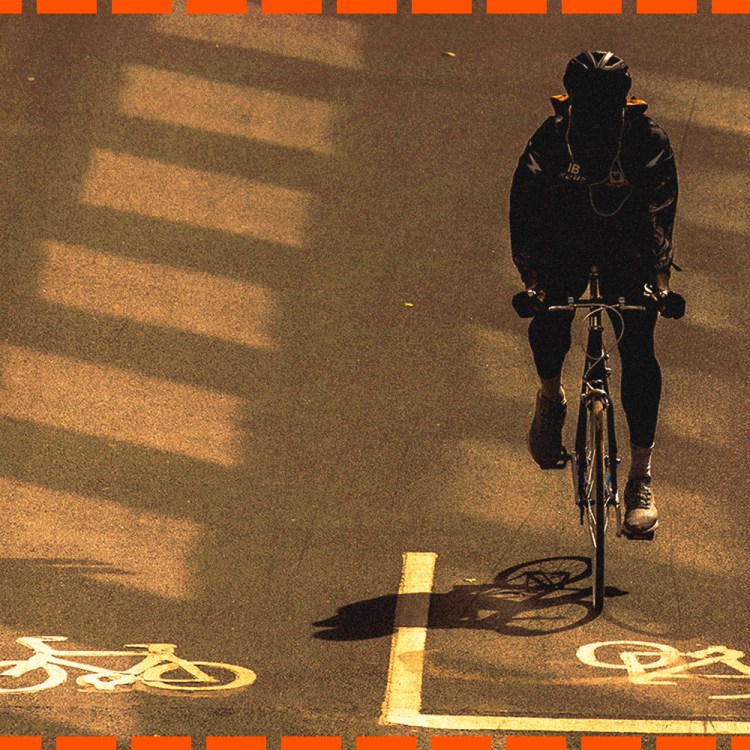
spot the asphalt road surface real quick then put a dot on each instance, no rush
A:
(256, 345)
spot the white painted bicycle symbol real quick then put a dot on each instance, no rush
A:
(159, 668)
(659, 664)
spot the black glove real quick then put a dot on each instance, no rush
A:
(529, 303)
(671, 305)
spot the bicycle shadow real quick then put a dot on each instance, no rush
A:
(539, 597)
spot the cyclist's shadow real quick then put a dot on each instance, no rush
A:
(540, 597)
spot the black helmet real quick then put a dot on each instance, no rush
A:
(597, 76)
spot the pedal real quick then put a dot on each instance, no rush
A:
(562, 460)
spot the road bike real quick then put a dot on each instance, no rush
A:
(159, 668)
(594, 461)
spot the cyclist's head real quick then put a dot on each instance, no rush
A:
(598, 84)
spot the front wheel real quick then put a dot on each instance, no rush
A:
(198, 675)
(594, 495)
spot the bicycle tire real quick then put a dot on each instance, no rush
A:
(242, 677)
(55, 676)
(598, 414)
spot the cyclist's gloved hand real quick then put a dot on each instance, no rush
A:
(529, 303)
(672, 305)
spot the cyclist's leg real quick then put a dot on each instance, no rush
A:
(549, 336)
(640, 393)
(641, 376)
(549, 333)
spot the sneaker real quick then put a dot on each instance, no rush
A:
(545, 435)
(640, 510)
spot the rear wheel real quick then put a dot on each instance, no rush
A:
(16, 677)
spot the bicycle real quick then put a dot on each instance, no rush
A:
(594, 461)
(152, 671)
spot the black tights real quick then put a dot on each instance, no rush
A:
(549, 335)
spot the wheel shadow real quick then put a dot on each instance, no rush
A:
(539, 597)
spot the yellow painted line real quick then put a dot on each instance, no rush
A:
(557, 724)
(403, 695)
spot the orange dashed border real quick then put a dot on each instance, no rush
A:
(516, 7)
(442, 742)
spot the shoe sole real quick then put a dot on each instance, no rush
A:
(645, 534)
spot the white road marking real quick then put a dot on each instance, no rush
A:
(403, 695)
(586, 726)
(670, 665)
(154, 669)
(404, 690)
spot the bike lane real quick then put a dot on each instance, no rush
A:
(520, 650)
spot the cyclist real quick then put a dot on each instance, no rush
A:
(597, 185)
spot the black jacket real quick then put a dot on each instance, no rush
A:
(566, 214)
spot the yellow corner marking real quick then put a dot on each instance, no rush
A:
(403, 694)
